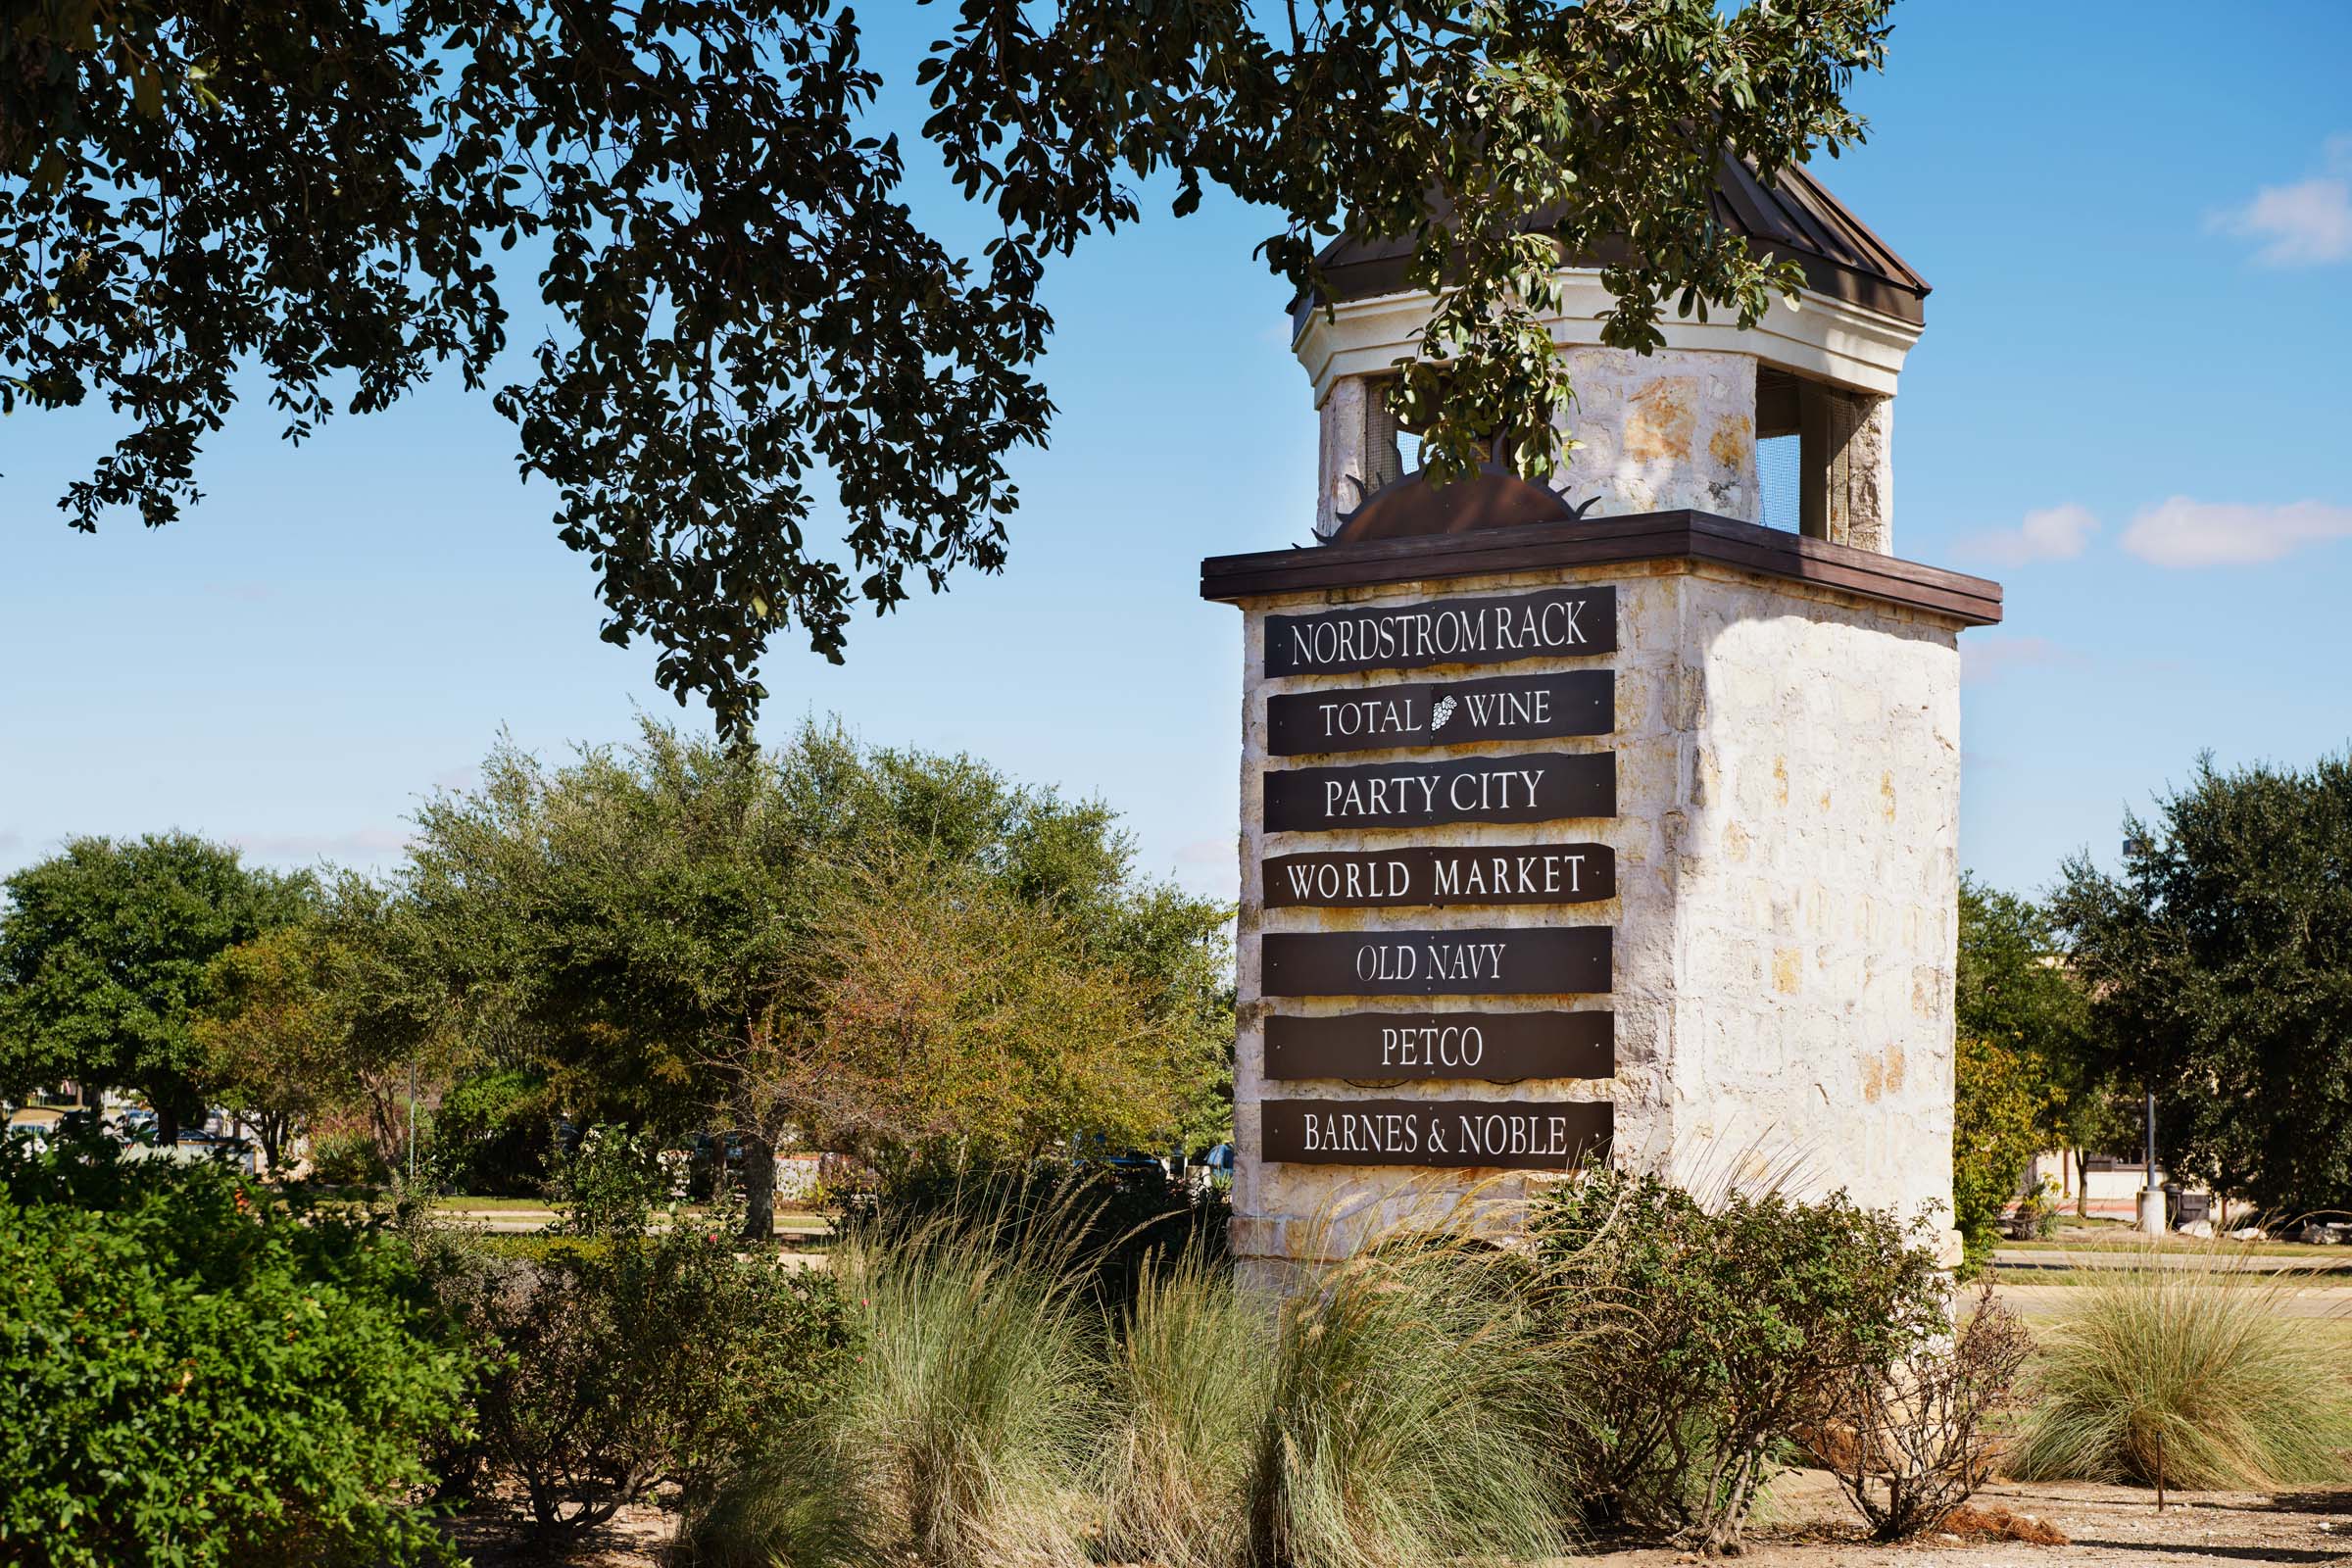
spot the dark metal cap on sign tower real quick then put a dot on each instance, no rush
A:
(1413, 507)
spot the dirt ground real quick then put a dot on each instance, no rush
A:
(1810, 1526)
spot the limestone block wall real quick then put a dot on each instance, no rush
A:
(1787, 767)
(1663, 432)
(1817, 872)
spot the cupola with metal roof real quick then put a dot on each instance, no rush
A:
(1786, 423)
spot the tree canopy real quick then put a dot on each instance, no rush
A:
(2220, 966)
(736, 304)
(896, 952)
(104, 955)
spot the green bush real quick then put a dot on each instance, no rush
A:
(2002, 1094)
(634, 1360)
(347, 1158)
(192, 1373)
(492, 1135)
(610, 1183)
(2194, 1376)
(1718, 1332)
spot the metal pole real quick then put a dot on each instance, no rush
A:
(2151, 1200)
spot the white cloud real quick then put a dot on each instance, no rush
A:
(1989, 658)
(2180, 532)
(2053, 533)
(2307, 224)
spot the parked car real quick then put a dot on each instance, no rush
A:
(1215, 1169)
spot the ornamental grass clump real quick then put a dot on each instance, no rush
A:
(1400, 1408)
(1416, 1406)
(2193, 1376)
(1193, 1379)
(962, 1434)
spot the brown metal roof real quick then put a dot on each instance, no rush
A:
(1796, 218)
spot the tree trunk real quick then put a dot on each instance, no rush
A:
(166, 1121)
(2082, 1184)
(758, 1188)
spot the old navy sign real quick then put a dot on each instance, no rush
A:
(1509, 962)
(1505, 708)
(1483, 873)
(1540, 787)
(1505, 1134)
(1488, 630)
(1499, 1046)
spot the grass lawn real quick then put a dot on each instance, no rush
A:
(2133, 1241)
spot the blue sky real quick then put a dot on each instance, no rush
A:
(2131, 406)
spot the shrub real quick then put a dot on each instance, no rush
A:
(633, 1360)
(2002, 1096)
(2186, 1376)
(192, 1373)
(610, 1183)
(347, 1158)
(491, 1135)
(1916, 1442)
(1722, 1329)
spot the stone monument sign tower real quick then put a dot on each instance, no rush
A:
(1623, 832)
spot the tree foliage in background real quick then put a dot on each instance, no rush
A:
(104, 952)
(2020, 1001)
(343, 1014)
(271, 1032)
(2002, 1104)
(947, 1016)
(2220, 966)
(734, 296)
(2014, 983)
(660, 929)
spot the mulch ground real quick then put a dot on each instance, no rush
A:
(1810, 1526)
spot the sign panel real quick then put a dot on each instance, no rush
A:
(1532, 960)
(1506, 707)
(1540, 787)
(1505, 1134)
(1480, 874)
(1498, 1047)
(1488, 630)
